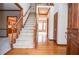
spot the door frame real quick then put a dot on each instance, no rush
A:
(47, 29)
(56, 18)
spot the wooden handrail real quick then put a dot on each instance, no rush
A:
(21, 17)
(15, 26)
(35, 33)
(27, 17)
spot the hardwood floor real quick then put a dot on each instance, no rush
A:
(52, 49)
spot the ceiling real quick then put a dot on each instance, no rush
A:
(43, 11)
(45, 4)
(8, 6)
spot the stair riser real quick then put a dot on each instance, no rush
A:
(29, 26)
(26, 28)
(26, 34)
(29, 23)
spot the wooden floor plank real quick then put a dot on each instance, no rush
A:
(52, 49)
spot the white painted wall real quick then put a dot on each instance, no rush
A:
(33, 7)
(25, 7)
(62, 23)
(62, 10)
(4, 45)
(52, 11)
(51, 23)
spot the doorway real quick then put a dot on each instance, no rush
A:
(42, 32)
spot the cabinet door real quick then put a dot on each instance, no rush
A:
(74, 48)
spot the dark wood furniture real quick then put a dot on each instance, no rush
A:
(73, 29)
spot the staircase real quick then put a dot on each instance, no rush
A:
(25, 39)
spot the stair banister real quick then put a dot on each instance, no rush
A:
(35, 33)
(18, 27)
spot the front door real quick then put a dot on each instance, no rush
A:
(73, 30)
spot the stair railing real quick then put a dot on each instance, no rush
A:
(18, 26)
(35, 33)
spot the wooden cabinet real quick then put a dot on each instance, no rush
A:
(74, 48)
(73, 30)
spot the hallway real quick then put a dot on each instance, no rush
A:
(25, 41)
(34, 30)
(52, 49)
(39, 29)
